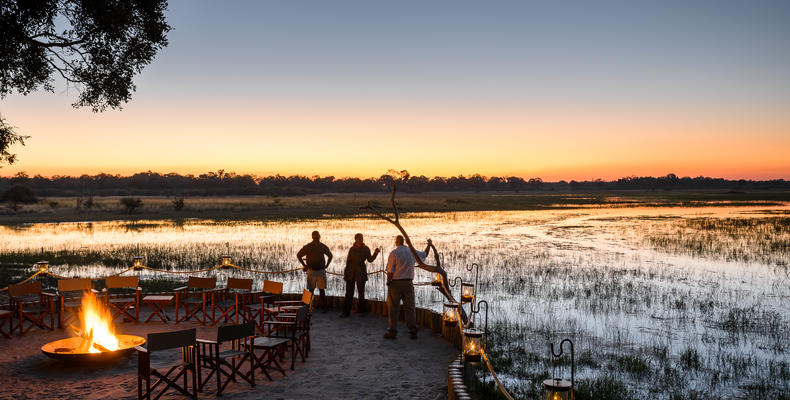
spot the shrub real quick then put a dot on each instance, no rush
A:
(178, 203)
(131, 204)
(19, 194)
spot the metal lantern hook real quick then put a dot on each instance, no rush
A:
(573, 366)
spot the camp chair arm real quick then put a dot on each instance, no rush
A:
(141, 349)
(182, 288)
(288, 302)
(206, 341)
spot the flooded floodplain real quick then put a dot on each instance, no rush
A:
(660, 302)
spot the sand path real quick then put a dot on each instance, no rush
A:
(349, 360)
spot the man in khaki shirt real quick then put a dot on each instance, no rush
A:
(311, 256)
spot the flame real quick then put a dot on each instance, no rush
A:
(98, 332)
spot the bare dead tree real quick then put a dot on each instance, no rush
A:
(437, 268)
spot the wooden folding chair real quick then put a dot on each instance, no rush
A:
(227, 362)
(230, 301)
(31, 304)
(123, 297)
(293, 331)
(152, 360)
(6, 317)
(70, 294)
(286, 312)
(195, 297)
(257, 310)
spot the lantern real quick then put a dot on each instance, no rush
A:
(226, 262)
(557, 389)
(137, 263)
(473, 345)
(451, 314)
(42, 266)
(438, 280)
(467, 292)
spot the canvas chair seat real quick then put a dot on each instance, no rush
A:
(28, 298)
(269, 342)
(73, 302)
(163, 360)
(230, 353)
(225, 303)
(36, 308)
(122, 300)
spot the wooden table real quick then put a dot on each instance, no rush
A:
(157, 305)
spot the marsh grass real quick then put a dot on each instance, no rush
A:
(648, 321)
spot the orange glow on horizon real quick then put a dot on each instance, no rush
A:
(553, 143)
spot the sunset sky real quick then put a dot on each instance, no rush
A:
(555, 89)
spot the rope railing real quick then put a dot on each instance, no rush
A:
(165, 271)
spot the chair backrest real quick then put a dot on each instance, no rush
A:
(117, 282)
(171, 340)
(202, 283)
(307, 297)
(236, 283)
(227, 333)
(273, 287)
(24, 288)
(74, 284)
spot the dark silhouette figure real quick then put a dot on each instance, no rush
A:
(356, 274)
(311, 256)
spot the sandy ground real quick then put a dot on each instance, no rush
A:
(349, 360)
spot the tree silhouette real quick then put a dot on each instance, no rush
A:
(95, 46)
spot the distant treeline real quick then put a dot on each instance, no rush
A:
(229, 183)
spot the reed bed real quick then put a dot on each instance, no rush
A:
(664, 303)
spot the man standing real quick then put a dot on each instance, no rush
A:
(356, 274)
(400, 274)
(311, 256)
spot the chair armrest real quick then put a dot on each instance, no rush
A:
(182, 288)
(52, 295)
(94, 291)
(141, 349)
(206, 341)
(282, 323)
(287, 302)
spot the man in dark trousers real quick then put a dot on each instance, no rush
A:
(356, 274)
(400, 274)
(311, 256)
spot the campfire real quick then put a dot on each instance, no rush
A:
(95, 339)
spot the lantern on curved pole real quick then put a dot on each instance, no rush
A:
(137, 263)
(558, 388)
(474, 343)
(42, 267)
(469, 289)
(225, 261)
(451, 314)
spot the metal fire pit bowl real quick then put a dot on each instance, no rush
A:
(68, 350)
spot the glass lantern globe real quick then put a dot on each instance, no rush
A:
(42, 266)
(226, 261)
(137, 263)
(557, 389)
(438, 280)
(451, 315)
(473, 345)
(467, 292)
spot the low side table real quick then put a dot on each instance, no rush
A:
(157, 305)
